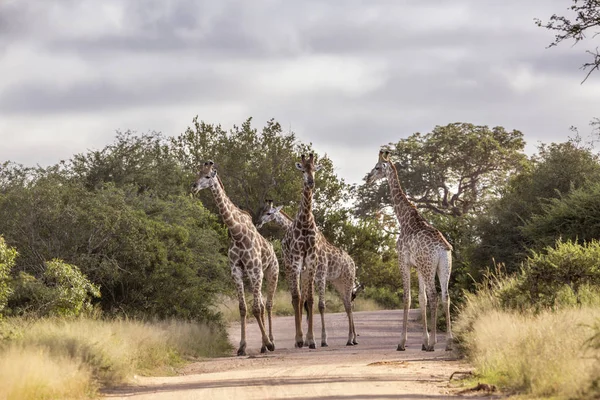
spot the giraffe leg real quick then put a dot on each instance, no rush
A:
(321, 279)
(310, 299)
(405, 272)
(345, 292)
(294, 282)
(432, 299)
(444, 267)
(423, 307)
(272, 275)
(237, 274)
(258, 307)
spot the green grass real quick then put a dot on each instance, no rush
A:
(89, 353)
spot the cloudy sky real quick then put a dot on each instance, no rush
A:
(347, 76)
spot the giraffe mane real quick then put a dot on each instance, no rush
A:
(285, 215)
(220, 182)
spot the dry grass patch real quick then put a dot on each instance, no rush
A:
(543, 355)
(108, 352)
(30, 373)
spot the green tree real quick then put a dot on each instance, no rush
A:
(149, 255)
(255, 165)
(557, 169)
(452, 170)
(574, 216)
(584, 23)
(143, 161)
(7, 261)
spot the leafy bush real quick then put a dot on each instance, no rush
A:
(150, 256)
(384, 297)
(7, 261)
(559, 275)
(62, 290)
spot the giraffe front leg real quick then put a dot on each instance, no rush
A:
(272, 276)
(321, 285)
(405, 272)
(294, 282)
(310, 336)
(236, 273)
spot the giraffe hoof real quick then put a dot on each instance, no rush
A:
(299, 345)
(349, 343)
(401, 348)
(241, 352)
(312, 346)
(263, 349)
(324, 344)
(423, 347)
(354, 342)
(271, 346)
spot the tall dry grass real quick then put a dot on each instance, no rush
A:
(543, 355)
(32, 373)
(88, 352)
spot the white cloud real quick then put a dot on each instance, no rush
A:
(347, 76)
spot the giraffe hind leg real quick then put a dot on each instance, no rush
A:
(236, 273)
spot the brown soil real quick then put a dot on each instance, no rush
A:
(371, 370)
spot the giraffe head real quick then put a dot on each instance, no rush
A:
(308, 168)
(268, 214)
(383, 163)
(206, 177)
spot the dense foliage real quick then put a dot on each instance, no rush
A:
(124, 222)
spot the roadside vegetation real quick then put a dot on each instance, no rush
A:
(110, 269)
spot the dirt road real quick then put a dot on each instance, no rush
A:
(371, 370)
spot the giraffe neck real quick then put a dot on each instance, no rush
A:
(405, 211)
(305, 216)
(284, 220)
(227, 209)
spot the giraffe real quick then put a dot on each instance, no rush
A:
(335, 266)
(422, 246)
(299, 247)
(250, 256)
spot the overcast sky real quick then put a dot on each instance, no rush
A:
(347, 76)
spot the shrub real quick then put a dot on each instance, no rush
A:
(565, 274)
(7, 261)
(62, 290)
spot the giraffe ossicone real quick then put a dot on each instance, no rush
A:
(422, 246)
(250, 255)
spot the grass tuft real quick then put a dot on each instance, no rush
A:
(107, 352)
(544, 354)
(30, 373)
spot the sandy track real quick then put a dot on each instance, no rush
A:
(371, 370)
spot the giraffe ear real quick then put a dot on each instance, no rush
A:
(279, 208)
(318, 167)
(299, 167)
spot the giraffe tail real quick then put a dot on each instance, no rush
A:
(306, 308)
